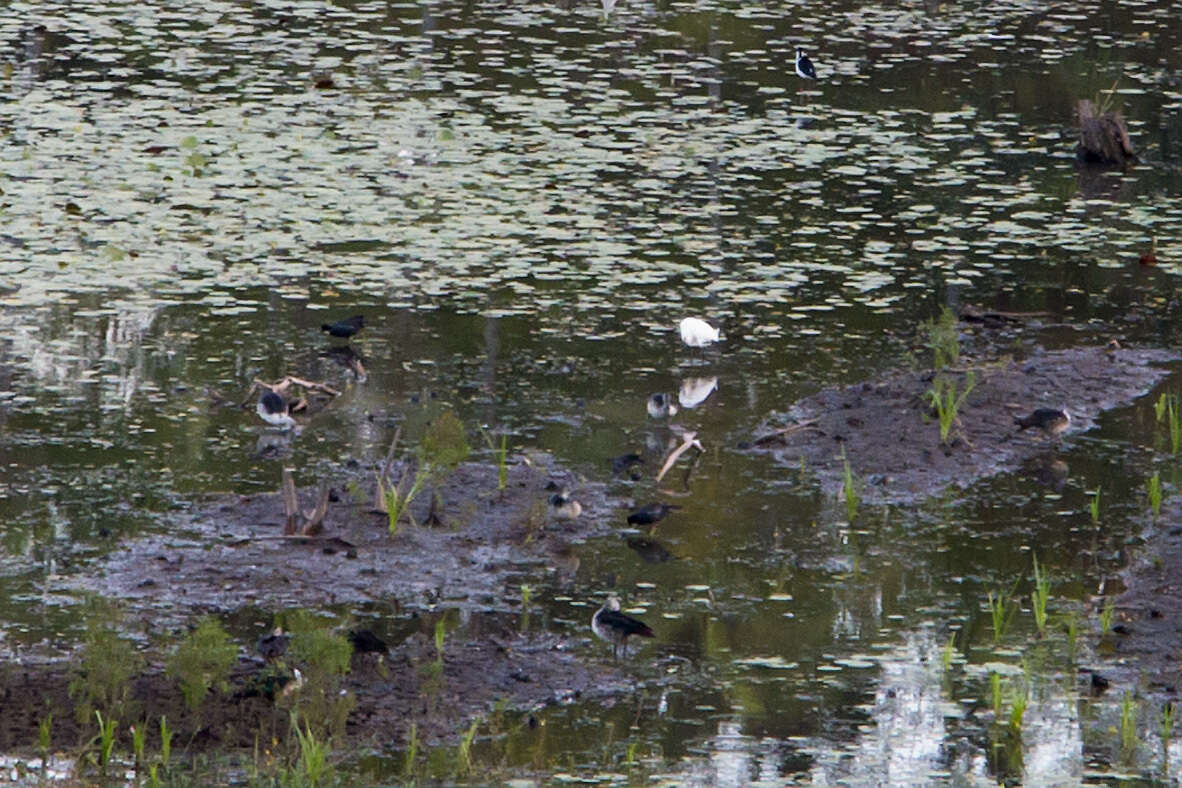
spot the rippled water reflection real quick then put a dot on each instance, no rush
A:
(524, 201)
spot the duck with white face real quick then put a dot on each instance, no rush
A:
(614, 627)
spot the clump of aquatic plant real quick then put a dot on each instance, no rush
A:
(1040, 596)
(443, 447)
(946, 401)
(1094, 507)
(203, 661)
(105, 666)
(324, 657)
(850, 489)
(312, 767)
(1153, 493)
(1128, 728)
(398, 502)
(1166, 409)
(944, 339)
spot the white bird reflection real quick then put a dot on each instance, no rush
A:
(694, 391)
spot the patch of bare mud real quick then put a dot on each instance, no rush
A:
(229, 553)
(888, 430)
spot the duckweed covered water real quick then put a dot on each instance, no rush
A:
(524, 201)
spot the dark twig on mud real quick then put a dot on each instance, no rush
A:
(780, 433)
(995, 318)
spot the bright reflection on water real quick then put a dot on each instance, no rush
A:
(524, 201)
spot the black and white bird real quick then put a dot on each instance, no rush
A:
(345, 328)
(611, 625)
(1052, 421)
(651, 513)
(804, 66)
(564, 507)
(273, 409)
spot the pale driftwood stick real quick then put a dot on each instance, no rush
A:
(291, 504)
(314, 522)
(691, 439)
(785, 431)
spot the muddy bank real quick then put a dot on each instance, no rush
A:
(891, 436)
(229, 552)
(1147, 637)
(518, 671)
(228, 555)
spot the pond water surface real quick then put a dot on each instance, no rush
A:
(524, 200)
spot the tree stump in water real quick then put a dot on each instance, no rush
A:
(1103, 139)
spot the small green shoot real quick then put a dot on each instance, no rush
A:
(1167, 409)
(412, 750)
(106, 736)
(1107, 616)
(1094, 507)
(995, 695)
(948, 653)
(1153, 493)
(1018, 709)
(139, 735)
(1040, 596)
(947, 402)
(1128, 728)
(501, 455)
(849, 490)
(464, 754)
(45, 732)
(166, 734)
(1165, 731)
(440, 636)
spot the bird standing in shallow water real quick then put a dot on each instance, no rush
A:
(611, 625)
(696, 332)
(651, 513)
(273, 409)
(1052, 421)
(345, 328)
(804, 66)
